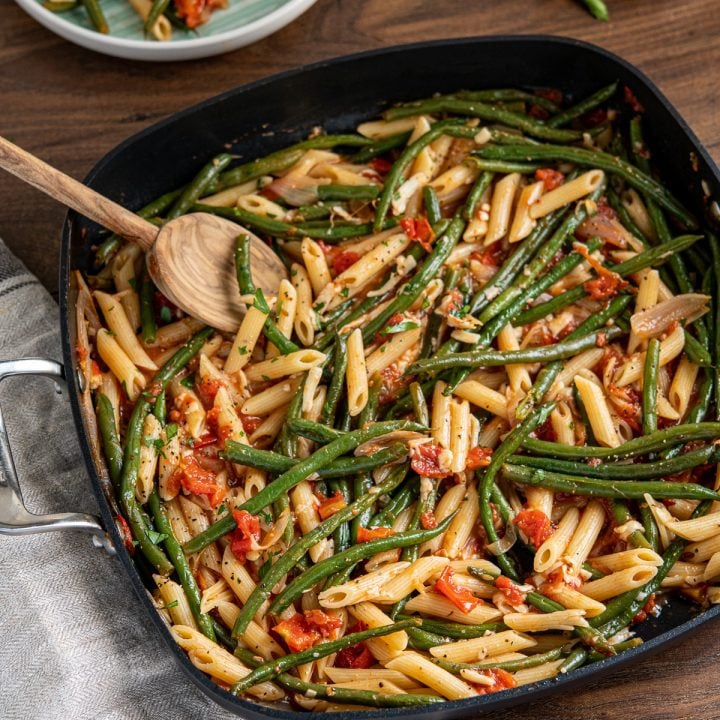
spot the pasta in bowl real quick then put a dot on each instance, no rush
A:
(469, 445)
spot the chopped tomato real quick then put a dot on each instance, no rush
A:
(631, 100)
(550, 178)
(538, 112)
(381, 166)
(330, 505)
(419, 230)
(554, 95)
(197, 12)
(245, 534)
(608, 283)
(195, 479)
(478, 457)
(502, 680)
(546, 431)
(124, 530)
(368, 534)
(510, 590)
(207, 439)
(356, 657)
(303, 630)
(491, 255)
(459, 596)
(604, 287)
(595, 117)
(535, 524)
(250, 423)
(428, 520)
(208, 389)
(425, 461)
(269, 192)
(343, 260)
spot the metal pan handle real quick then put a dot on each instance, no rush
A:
(15, 519)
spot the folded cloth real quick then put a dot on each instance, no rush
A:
(75, 642)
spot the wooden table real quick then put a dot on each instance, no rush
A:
(70, 106)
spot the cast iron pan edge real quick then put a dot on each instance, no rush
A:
(161, 144)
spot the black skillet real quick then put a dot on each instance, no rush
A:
(270, 114)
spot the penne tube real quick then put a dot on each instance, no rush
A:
(567, 193)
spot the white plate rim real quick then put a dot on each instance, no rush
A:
(152, 50)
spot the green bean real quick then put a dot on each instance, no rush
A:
(350, 557)
(60, 6)
(715, 248)
(618, 471)
(424, 640)
(505, 166)
(379, 147)
(335, 389)
(133, 513)
(584, 106)
(595, 656)
(283, 159)
(508, 665)
(470, 108)
(319, 459)
(507, 95)
(110, 438)
(182, 567)
(510, 269)
(593, 487)
(432, 206)
(550, 307)
(650, 387)
(659, 440)
(314, 431)
(348, 192)
(650, 528)
(346, 696)
(272, 668)
(574, 660)
(476, 192)
(396, 174)
(457, 631)
(622, 515)
(147, 310)
(508, 446)
(412, 289)
(246, 286)
(595, 159)
(399, 502)
(597, 8)
(157, 9)
(276, 463)
(96, 15)
(419, 404)
(697, 412)
(278, 228)
(495, 358)
(198, 185)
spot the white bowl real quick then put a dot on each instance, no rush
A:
(242, 23)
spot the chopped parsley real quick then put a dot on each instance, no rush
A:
(165, 314)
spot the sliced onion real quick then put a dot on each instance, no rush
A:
(294, 190)
(504, 543)
(657, 319)
(380, 443)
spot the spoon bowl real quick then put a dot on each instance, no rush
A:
(190, 259)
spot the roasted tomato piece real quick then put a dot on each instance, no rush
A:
(459, 596)
(303, 630)
(418, 230)
(425, 461)
(502, 680)
(550, 178)
(478, 457)
(368, 534)
(245, 534)
(330, 505)
(535, 524)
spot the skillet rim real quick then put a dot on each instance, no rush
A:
(447, 709)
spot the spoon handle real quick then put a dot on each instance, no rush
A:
(75, 195)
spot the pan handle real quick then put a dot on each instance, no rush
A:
(15, 519)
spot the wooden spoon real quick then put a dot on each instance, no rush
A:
(190, 259)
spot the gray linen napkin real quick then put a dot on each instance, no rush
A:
(74, 641)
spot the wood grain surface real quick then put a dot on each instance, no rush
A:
(70, 106)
